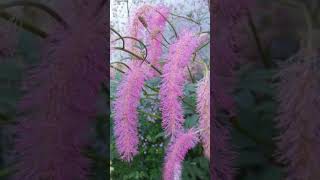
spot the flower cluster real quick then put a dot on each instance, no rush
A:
(148, 25)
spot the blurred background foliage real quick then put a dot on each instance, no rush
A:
(13, 70)
(274, 32)
(279, 28)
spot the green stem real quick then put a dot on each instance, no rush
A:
(190, 74)
(152, 88)
(149, 114)
(138, 57)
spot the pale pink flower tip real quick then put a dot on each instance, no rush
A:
(149, 21)
(203, 108)
(176, 153)
(125, 111)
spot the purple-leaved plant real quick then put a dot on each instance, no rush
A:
(176, 152)
(61, 98)
(125, 111)
(299, 110)
(173, 81)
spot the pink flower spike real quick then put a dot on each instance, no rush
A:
(125, 111)
(173, 81)
(149, 20)
(156, 24)
(176, 153)
(203, 108)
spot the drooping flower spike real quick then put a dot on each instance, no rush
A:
(128, 94)
(173, 81)
(125, 111)
(203, 108)
(176, 152)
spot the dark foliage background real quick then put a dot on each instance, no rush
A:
(253, 130)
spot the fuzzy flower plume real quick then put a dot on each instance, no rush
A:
(298, 119)
(176, 152)
(60, 103)
(173, 81)
(150, 20)
(203, 108)
(156, 23)
(126, 118)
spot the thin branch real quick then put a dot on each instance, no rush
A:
(117, 69)
(190, 74)
(186, 18)
(198, 49)
(128, 11)
(149, 114)
(127, 51)
(189, 19)
(139, 58)
(118, 62)
(43, 7)
(158, 39)
(123, 43)
(144, 46)
(23, 24)
(152, 88)
(174, 30)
